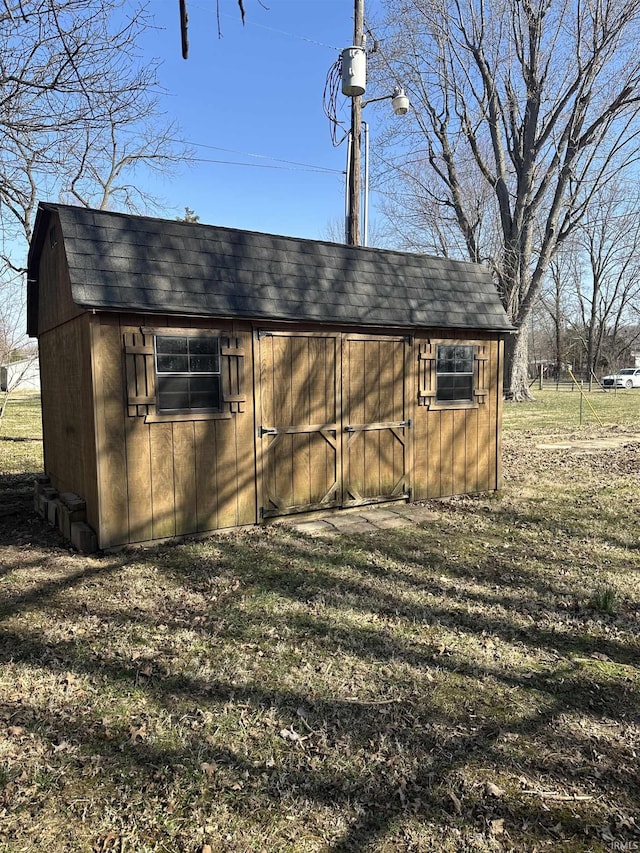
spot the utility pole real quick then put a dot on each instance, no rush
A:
(353, 181)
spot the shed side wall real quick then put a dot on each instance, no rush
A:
(159, 480)
(458, 450)
(67, 410)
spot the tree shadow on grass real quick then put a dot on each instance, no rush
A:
(332, 689)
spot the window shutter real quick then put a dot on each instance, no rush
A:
(426, 374)
(480, 378)
(232, 370)
(140, 374)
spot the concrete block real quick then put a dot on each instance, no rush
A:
(68, 516)
(50, 493)
(42, 506)
(83, 538)
(73, 502)
(40, 482)
(53, 505)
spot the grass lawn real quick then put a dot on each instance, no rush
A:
(20, 433)
(562, 410)
(471, 684)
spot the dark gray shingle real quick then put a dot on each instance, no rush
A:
(134, 263)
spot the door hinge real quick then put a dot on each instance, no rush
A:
(408, 424)
(267, 431)
(263, 333)
(261, 513)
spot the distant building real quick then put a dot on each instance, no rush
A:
(23, 375)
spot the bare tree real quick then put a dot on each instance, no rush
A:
(184, 21)
(608, 239)
(523, 109)
(334, 231)
(79, 117)
(556, 302)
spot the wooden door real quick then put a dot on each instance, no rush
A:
(299, 422)
(376, 445)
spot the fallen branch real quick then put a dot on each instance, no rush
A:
(554, 795)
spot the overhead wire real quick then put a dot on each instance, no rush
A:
(252, 23)
(319, 170)
(288, 163)
(332, 88)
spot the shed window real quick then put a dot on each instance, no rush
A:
(188, 373)
(454, 373)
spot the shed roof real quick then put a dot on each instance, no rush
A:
(137, 263)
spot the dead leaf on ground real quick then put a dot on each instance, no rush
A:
(291, 734)
(493, 790)
(137, 733)
(497, 826)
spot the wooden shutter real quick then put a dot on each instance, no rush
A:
(480, 359)
(232, 373)
(426, 374)
(140, 374)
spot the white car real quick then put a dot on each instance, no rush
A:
(628, 377)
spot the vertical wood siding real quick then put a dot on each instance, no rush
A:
(164, 479)
(67, 412)
(147, 479)
(457, 450)
(375, 403)
(298, 379)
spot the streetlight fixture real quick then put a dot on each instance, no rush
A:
(400, 104)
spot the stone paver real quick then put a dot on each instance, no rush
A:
(350, 524)
(368, 520)
(312, 528)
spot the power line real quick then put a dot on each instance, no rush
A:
(317, 169)
(290, 165)
(251, 23)
(302, 166)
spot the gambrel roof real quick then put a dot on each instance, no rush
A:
(123, 262)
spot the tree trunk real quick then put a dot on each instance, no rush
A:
(516, 367)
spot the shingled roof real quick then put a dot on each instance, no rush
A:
(137, 263)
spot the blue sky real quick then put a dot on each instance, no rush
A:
(257, 90)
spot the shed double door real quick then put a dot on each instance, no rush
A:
(333, 424)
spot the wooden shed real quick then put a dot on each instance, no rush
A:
(198, 377)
